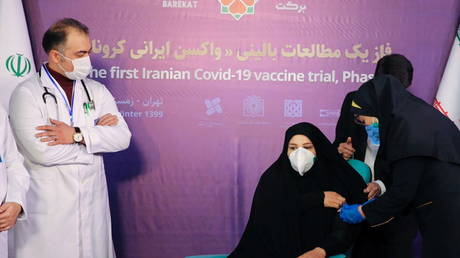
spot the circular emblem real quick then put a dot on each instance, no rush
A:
(18, 65)
(237, 8)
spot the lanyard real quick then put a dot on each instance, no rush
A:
(68, 105)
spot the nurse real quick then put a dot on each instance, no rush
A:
(64, 123)
(362, 142)
(420, 151)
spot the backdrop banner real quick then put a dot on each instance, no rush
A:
(208, 88)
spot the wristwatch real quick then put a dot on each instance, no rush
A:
(77, 136)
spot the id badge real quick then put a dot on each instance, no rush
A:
(88, 107)
(91, 117)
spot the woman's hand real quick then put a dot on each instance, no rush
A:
(333, 200)
(373, 190)
(346, 149)
(318, 252)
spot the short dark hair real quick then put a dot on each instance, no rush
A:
(398, 66)
(56, 35)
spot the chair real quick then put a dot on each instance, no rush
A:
(338, 256)
(362, 169)
(208, 256)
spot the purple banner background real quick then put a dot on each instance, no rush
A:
(185, 185)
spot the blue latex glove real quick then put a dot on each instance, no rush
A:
(369, 201)
(350, 214)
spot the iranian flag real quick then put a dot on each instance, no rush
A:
(16, 60)
(448, 97)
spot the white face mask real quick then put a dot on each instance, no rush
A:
(81, 68)
(302, 160)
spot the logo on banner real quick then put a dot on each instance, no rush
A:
(213, 106)
(290, 6)
(181, 4)
(293, 107)
(237, 8)
(253, 106)
(18, 65)
(329, 112)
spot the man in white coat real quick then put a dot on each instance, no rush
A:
(63, 123)
(14, 182)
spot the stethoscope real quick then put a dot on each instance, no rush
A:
(87, 106)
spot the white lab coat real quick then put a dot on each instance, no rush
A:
(68, 212)
(14, 179)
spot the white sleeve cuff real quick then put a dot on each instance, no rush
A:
(92, 140)
(383, 189)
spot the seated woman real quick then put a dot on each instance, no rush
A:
(294, 210)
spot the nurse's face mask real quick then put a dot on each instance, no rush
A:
(371, 124)
(373, 133)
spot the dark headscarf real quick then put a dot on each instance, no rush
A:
(396, 65)
(408, 125)
(273, 229)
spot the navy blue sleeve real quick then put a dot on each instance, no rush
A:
(406, 175)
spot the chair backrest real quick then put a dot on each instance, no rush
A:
(362, 169)
(338, 256)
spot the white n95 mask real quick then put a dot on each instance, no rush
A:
(81, 68)
(302, 160)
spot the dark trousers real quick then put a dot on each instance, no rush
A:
(391, 240)
(440, 227)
